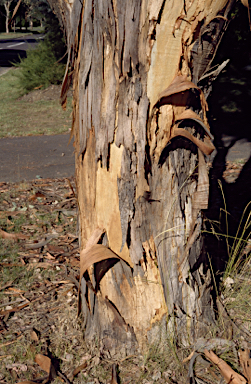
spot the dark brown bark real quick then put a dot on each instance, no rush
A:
(136, 69)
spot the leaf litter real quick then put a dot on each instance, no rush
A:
(39, 264)
(41, 338)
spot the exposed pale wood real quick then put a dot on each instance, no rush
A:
(136, 177)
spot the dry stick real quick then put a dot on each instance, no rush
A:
(10, 342)
(42, 243)
(7, 285)
(13, 302)
(16, 309)
(63, 377)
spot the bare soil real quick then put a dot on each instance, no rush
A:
(50, 93)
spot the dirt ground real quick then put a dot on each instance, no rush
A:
(50, 93)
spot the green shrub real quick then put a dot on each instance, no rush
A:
(39, 69)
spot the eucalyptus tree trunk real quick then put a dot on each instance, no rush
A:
(140, 72)
(7, 15)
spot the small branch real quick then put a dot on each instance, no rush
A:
(214, 74)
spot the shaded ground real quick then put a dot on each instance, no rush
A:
(51, 93)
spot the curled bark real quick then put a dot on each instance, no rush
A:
(136, 67)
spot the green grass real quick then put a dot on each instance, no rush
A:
(16, 35)
(19, 117)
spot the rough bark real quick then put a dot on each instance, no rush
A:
(140, 162)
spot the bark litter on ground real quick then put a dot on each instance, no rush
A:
(38, 297)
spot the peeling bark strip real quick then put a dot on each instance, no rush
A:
(141, 174)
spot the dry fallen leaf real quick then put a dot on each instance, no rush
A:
(6, 285)
(34, 336)
(15, 290)
(36, 195)
(44, 362)
(11, 342)
(46, 365)
(11, 236)
(18, 367)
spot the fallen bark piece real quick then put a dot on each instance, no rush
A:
(43, 242)
(11, 236)
(78, 369)
(27, 382)
(245, 362)
(227, 372)
(114, 379)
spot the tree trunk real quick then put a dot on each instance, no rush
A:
(7, 15)
(141, 136)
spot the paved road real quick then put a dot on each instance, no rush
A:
(26, 158)
(12, 49)
(241, 150)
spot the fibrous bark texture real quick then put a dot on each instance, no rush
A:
(141, 140)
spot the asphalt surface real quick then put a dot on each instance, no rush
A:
(31, 157)
(241, 150)
(13, 48)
